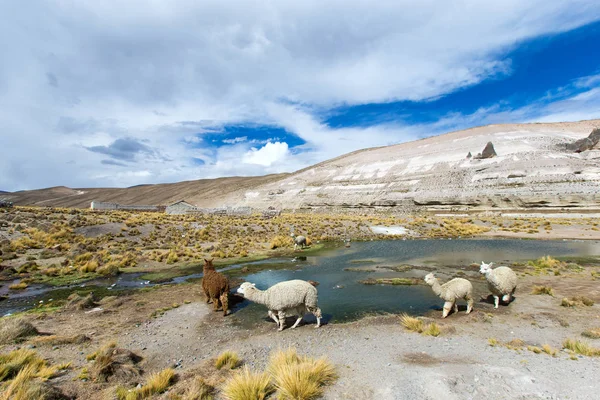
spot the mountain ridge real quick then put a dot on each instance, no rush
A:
(533, 168)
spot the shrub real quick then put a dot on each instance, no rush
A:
(577, 301)
(172, 257)
(411, 323)
(432, 329)
(14, 330)
(245, 384)
(593, 333)
(227, 359)
(297, 377)
(18, 286)
(543, 290)
(580, 347)
(281, 241)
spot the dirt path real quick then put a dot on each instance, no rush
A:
(377, 359)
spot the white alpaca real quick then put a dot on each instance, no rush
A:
(502, 281)
(295, 297)
(457, 288)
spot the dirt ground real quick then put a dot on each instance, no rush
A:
(376, 357)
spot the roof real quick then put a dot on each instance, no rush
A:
(181, 202)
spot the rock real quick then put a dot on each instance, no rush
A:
(586, 143)
(488, 152)
(469, 155)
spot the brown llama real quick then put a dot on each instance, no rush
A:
(216, 287)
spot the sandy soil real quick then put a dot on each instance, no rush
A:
(376, 358)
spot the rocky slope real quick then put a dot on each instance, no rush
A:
(553, 165)
(535, 165)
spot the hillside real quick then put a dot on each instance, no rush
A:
(204, 193)
(536, 165)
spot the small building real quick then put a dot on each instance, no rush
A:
(181, 207)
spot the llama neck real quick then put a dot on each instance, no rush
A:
(437, 288)
(255, 295)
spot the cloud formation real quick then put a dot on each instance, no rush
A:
(140, 82)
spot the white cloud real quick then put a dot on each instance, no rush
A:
(76, 75)
(236, 140)
(267, 155)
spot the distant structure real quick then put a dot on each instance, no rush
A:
(99, 205)
(182, 207)
(271, 212)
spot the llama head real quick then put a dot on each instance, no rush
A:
(485, 268)
(208, 264)
(244, 287)
(429, 278)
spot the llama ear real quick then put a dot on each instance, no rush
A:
(490, 264)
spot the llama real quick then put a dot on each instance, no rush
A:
(216, 287)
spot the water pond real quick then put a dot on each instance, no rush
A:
(339, 270)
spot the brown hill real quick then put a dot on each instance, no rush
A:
(204, 193)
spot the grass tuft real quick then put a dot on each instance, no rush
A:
(581, 347)
(13, 330)
(156, 384)
(246, 384)
(199, 390)
(543, 290)
(593, 333)
(577, 301)
(549, 350)
(228, 359)
(432, 329)
(493, 342)
(411, 323)
(297, 377)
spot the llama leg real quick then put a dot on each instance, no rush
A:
(297, 321)
(469, 305)
(281, 316)
(274, 317)
(207, 296)
(216, 304)
(496, 301)
(225, 303)
(447, 307)
(455, 308)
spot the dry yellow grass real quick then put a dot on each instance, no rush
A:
(228, 359)
(411, 323)
(156, 384)
(543, 290)
(246, 384)
(432, 329)
(581, 347)
(593, 333)
(549, 350)
(199, 390)
(26, 373)
(299, 378)
(577, 301)
(15, 329)
(493, 342)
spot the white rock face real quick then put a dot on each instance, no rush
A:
(532, 169)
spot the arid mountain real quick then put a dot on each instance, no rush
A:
(204, 193)
(490, 167)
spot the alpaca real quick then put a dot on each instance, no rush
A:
(216, 287)
(502, 281)
(457, 288)
(295, 297)
(299, 241)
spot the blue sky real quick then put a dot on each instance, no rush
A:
(112, 94)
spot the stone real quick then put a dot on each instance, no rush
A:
(587, 143)
(488, 152)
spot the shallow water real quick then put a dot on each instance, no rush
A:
(341, 297)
